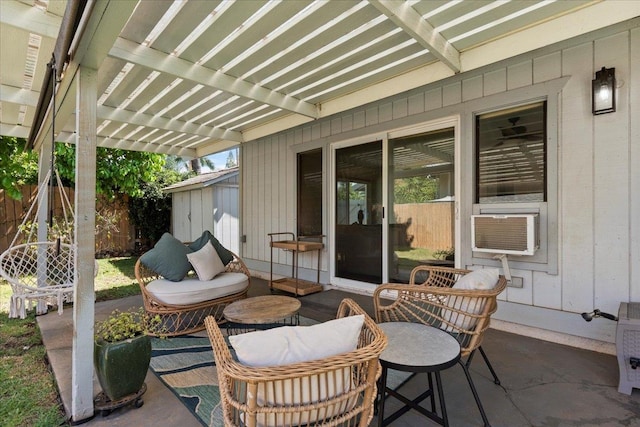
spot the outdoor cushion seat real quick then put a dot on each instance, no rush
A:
(191, 290)
(182, 303)
(313, 384)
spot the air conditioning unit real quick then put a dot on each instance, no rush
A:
(514, 234)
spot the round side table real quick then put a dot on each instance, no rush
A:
(261, 312)
(414, 347)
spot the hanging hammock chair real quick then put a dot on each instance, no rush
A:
(41, 271)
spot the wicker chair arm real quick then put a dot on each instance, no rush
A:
(435, 276)
(465, 313)
(240, 385)
(236, 265)
(372, 342)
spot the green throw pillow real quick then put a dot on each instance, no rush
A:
(226, 256)
(168, 258)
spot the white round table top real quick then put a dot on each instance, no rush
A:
(418, 347)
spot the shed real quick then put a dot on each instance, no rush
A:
(208, 201)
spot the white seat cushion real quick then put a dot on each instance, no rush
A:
(293, 344)
(192, 290)
(483, 279)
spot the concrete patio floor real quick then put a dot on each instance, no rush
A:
(542, 383)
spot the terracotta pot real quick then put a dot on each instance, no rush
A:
(122, 366)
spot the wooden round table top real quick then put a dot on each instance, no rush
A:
(261, 309)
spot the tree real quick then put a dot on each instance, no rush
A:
(194, 165)
(17, 166)
(231, 161)
(417, 189)
(117, 171)
(151, 211)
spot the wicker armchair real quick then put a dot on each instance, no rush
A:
(241, 386)
(186, 319)
(447, 277)
(430, 299)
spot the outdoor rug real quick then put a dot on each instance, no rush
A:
(185, 365)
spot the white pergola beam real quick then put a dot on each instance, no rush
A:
(16, 95)
(127, 144)
(152, 59)
(583, 21)
(30, 98)
(28, 18)
(143, 119)
(14, 131)
(105, 24)
(416, 78)
(406, 17)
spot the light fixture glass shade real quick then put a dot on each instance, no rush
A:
(603, 96)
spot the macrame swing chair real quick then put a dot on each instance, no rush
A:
(42, 271)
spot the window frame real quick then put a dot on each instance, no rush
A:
(295, 150)
(503, 198)
(546, 257)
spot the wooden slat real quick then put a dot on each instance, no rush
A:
(12, 213)
(430, 225)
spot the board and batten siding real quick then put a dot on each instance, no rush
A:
(214, 208)
(594, 179)
(226, 216)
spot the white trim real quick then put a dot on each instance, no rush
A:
(449, 121)
(553, 322)
(331, 241)
(555, 337)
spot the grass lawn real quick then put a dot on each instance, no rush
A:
(28, 393)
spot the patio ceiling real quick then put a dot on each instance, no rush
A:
(196, 77)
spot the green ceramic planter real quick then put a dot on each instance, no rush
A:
(122, 366)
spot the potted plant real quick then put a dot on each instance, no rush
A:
(122, 352)
(445, 254)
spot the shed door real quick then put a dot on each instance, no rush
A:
(181, 210)
(225, 217)
(196, 214)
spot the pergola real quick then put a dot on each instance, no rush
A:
(196, 77)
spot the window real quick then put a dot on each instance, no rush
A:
(310, 193)
(511, 155)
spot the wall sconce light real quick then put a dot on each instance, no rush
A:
(603, 93)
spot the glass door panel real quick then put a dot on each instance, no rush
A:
(421, 200)
(359, 212)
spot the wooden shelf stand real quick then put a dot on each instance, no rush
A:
(288, 242)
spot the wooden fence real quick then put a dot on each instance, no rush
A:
(424, 225)
(114, 234)
(428, 225)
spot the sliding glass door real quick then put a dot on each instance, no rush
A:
(359, 212)
(393, 205)
(421, 202)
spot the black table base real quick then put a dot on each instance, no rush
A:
(414, 404)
